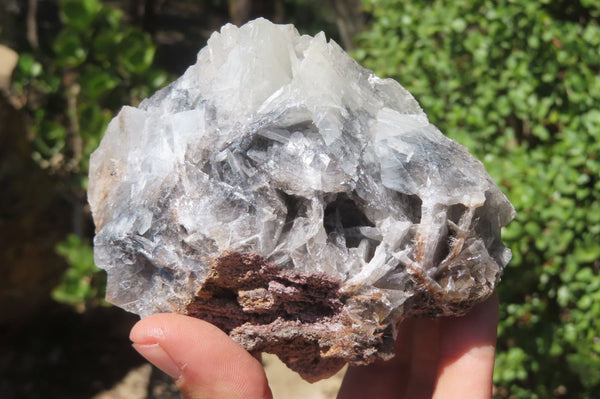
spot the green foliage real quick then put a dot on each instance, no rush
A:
(518, 82)
(82, 284)
(96, 65)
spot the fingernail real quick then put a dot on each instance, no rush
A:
(161, 359)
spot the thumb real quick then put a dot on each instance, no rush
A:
(203, 360)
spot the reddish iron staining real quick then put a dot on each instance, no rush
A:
(303, 318)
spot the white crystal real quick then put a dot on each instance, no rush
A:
(282, 145)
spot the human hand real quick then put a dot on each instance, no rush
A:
(443, 358)
(435, 358)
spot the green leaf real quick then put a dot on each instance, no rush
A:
(69, 49)
(79, 14)
(106, 44)
(29, 66)
(95, 82)
(78, 284)
(136, 51)
(50, 138)
(587, 254)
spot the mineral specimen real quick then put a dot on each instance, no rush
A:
(288, 195)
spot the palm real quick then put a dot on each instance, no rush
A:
(443, 358)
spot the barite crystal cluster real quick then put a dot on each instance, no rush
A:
(291, 197)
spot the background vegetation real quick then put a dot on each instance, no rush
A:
(517, 82)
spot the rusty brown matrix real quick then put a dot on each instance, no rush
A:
(306, 319)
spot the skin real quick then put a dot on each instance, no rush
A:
(442, 358)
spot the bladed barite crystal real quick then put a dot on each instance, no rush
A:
(288, 195)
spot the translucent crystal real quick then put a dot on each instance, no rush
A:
(281, 146)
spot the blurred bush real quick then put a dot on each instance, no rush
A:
(518, 83)
(81, 285)
(70, 92)
(96, 65)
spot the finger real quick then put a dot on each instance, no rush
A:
(424, 360)
(467, 348)
(202, 359)
(382, 380)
